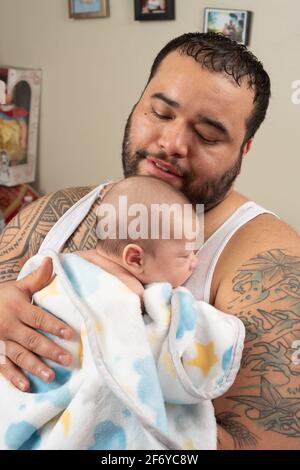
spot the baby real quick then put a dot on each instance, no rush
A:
(170, 257)
(133, 375)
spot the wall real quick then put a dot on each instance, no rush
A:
(94, 71)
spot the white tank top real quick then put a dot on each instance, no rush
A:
(200, 281)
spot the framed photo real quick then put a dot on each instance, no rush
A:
(234, 24)
(150, 10)
(19, 124)
(79, 9)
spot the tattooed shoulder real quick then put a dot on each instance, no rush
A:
(24, 234)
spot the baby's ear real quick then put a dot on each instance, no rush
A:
(133, 257)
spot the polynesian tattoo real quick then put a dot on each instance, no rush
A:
(24, 234)
(271, 358)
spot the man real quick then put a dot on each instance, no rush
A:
(193, 125)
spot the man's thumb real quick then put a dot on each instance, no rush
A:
(37, 279)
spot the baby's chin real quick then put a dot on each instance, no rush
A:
(178, 284)
(184, 280)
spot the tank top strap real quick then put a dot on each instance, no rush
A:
(200, 281)
(67, 224)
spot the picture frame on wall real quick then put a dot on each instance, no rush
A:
(80, 9)
(153, 10)
(233, 23)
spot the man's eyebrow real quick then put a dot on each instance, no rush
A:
(214, 123)
(166, 99)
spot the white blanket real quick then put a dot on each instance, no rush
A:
(137, 381)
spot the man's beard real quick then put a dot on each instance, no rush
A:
(209, 193)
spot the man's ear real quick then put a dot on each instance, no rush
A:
(133, 257)
(247, 147)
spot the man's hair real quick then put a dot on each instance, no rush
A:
(217, 53)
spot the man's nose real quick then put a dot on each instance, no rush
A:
(174, 139)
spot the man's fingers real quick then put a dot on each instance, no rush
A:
(28, 361)
(38, 279)
(41, 346)
(39, 319)
(14, 375)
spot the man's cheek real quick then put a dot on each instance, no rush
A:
(143, 131)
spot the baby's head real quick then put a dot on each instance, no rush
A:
(151, 232)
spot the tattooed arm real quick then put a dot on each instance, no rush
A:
(24, 234)
(18, 317)
(259, 281)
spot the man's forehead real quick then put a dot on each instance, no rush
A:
(177, 63)
(173, 62)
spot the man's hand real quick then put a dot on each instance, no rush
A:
(18, 321)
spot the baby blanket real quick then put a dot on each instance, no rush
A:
(136, 381)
